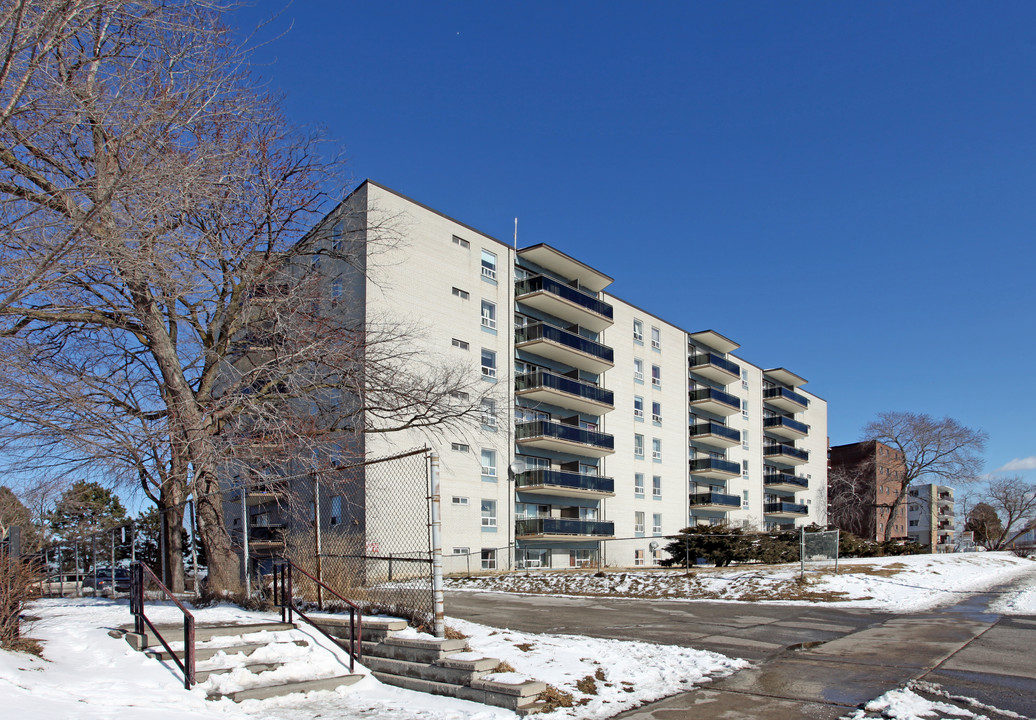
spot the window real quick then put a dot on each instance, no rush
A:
(656, 523)
(489, 513)
(337, 234)
(460, 551)
(638, 406)
(638, 522)
(638, 484)
(744, 501)
(656, 486)
(638, 557)
(638, 446)
(638, 331)
(656, 556)
(744, 468)
(458, 500)
(638, 370)
(336, 291)
(488, 363)
(488, 314)
(462, 294)
(459, 447)
(656, 412)
(656, 449)
(489, 463)
(336, 510)
(460, 395)
(488, 558)
(656, 376)
(489, 412)
(316, 261)
(744, 409)
(460, 344)
(461, 242)
(488, 265)
(744, 442)
(580, 558)
(656, 339)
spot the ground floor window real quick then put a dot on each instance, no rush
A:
(582, 558)
(638, 557)
(489, 558)
(531, 558)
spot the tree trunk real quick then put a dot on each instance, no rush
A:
(171, 511)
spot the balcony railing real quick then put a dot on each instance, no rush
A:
(711, 428)
(552, 333)
(715, 465)
(711, 498)
(783, 422)
(784, 508)
(545, 379)
(559, 431)
(564, 526)
(773, 479)
(786, 450)
(563, 479)
(780, 393)
(543, 283)
(715, 395)
(713, 360)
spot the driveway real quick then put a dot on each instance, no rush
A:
(808, 661)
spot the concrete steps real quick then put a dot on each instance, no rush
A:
(204, 653)
(298, 686)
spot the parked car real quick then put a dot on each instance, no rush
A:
(104, 581)
(61, 584)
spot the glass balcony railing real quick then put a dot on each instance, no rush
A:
(711, 428)
(785, 479)
(783, 422)
(563, 479)
(784, 508)
(715, 465)
(564, 526)
(711, 359)
(585, 300)
(716, 395)
(545, 379)
(559, 431)
(786, 450)
(711, 498)
(785, 394)
(552, 333)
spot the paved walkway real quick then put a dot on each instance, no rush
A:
(810, 661)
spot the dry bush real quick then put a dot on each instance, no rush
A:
(19, 584)
(504, 667)
(524, 647)
(454, 634)
(553, 699)
(587, 685)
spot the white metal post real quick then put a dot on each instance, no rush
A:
(244, 526)
(438, 601)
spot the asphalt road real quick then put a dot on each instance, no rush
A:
(808, 661)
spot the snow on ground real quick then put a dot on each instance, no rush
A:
(87, 675)
(895, 584)
(925, 701)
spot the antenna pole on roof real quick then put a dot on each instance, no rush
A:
(516, 234)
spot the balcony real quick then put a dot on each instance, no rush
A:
(718, 501)
(714, 401)
(565, 347)
(715, 368)
(262, 537)
(547, 387)
(564, 484)
(785, 427)
(547, 435)
(785, 482)
(945, 499)
(564, 301)
(788, 454)
(563, 528)
(785, 399)
(261, 495)
(784, 509)
(712, 433)
(715, 468)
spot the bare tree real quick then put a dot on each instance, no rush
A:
(943, 450)
(175, 313)
(1008, 511)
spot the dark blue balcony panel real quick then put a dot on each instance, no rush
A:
(715, 467)
(716, 434)
(785, 398)
(714, 367)
(715, 401)
(785, 509)
(711, 498)
(564, 438)
(566, 347)
(564, 301)
(564, 526)
(785, 481)
(565, 484)
(789, 453)
(786, 424)
(548, 387)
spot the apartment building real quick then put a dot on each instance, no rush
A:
(605, 426)
(931, 516)
(864, 481)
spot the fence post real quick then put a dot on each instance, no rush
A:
(390, 567)
(194, 546)
(319, 542)
(93, 559)
(439, 620)
(802, 552)
(244, 545)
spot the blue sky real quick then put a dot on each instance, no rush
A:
(846, 189)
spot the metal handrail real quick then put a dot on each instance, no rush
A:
(283, 597)
(137, 570)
